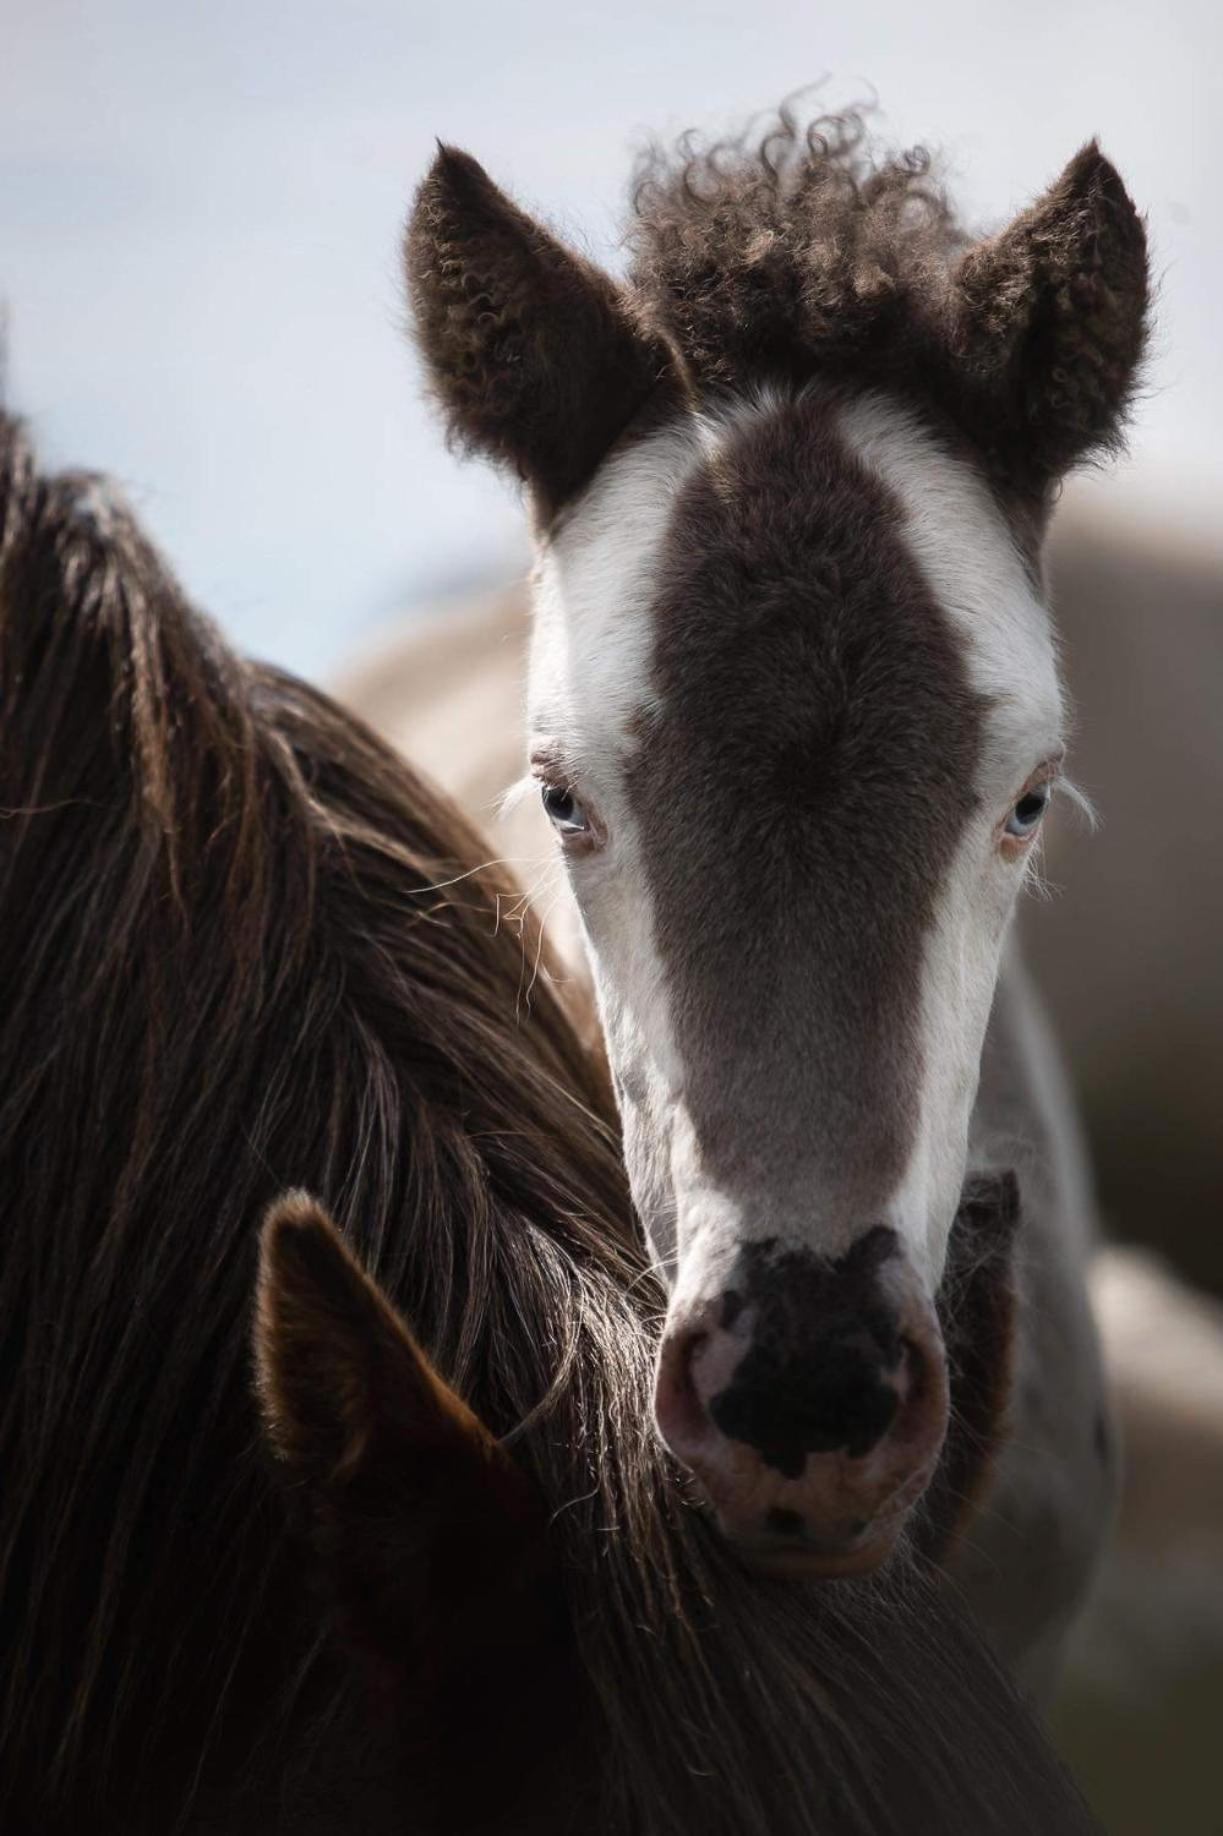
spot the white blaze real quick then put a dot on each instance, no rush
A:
(959, 538)
(590, 681)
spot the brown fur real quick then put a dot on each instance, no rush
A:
(242, 948)
(337, 1368)
(790, 253)
(1050, 322)
(432, 1543)
(533, 352)
(801, 255)
(812, 722)
(787, 256)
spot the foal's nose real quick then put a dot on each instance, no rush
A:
(809, 1397)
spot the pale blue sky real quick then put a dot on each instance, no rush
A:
(200, 209)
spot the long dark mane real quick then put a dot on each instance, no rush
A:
(244, 947)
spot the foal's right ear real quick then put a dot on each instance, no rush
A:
(428, 1536)
(532, 351)
(1050, 321)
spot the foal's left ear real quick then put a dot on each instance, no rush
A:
(1049, 322)
(532, 351)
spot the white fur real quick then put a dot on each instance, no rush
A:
(589, 682)
(590, 679)
(959, 538)
(590, 649)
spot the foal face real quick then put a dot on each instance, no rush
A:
(795, 716)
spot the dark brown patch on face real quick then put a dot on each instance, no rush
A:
(800, 795)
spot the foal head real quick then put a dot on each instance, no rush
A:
(795, 716)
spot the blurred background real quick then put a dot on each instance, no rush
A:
(200, 209)
(199, 219)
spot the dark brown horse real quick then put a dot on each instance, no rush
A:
(244, 948)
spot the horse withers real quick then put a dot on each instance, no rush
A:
(795, 717)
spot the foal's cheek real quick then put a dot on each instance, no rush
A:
(647, 1160)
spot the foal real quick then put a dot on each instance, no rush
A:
(242, 948)
(795, 717)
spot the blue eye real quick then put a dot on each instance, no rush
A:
(563, 809)
(1024, 819)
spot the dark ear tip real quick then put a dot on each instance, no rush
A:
(1092, 174)
(456, 190)
(297, 1241)
(457, 174)
(294, 1213)
(1087, 159)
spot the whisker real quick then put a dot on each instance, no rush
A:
(503, 860)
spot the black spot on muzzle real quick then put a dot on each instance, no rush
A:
(825, 1342)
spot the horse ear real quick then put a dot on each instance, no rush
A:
(1049, 322)
(426, 1531)
(532, 351)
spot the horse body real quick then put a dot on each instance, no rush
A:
(247, 948)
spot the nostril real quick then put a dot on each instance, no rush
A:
(922, 1387)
